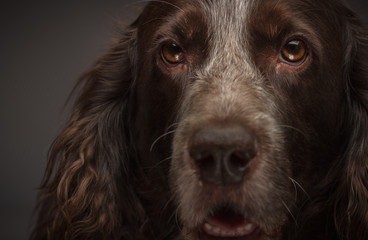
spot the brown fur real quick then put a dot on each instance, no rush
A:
(120, 169)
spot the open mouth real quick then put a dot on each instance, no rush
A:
(228, 223)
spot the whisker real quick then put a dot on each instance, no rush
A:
(172, 125)
(294, 128)
(295, 189)
(299, 185)
(160, 162)
(160, 137)
(157, 164)
(291, 214)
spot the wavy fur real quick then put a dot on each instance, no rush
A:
(100, 176)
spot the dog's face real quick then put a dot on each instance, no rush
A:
(253, 90)
(218, 120)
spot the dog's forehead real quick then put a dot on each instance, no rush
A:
(227, 29)
(225, 14)
(228, 15)
(224, 21)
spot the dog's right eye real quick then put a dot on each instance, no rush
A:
(294, 51)
(172, 54)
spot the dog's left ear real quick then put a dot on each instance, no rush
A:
(351, 206)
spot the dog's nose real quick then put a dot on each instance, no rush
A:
(223, 154)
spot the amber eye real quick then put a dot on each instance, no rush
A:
(172, 54)
(294, 51)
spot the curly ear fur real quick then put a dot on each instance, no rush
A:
(88, 191)
(80, 197)
(351, 202)
(339, 203)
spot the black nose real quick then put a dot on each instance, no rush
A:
(222, 154)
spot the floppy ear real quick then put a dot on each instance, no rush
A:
(351, 212)
(88, 167)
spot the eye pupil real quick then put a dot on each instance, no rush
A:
(293, 47)
(172, 53)
(294, 51)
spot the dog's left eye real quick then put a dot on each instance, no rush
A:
(172, 54)
(294, 51)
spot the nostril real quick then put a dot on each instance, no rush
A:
(209, 164)
(222, 154)
(239, 159)
(236, 165)
(204, 159)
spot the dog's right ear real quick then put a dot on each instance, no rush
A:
(88, 177)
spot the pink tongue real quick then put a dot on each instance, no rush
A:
(227, 221)
(228, 224)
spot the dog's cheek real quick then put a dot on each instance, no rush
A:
(184, 182)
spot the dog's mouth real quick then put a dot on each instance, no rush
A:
(228, 223)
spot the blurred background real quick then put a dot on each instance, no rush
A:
(44, 48)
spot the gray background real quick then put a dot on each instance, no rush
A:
(44, 47)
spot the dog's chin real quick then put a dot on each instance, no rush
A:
(228, 223)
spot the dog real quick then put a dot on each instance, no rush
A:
(218, 120)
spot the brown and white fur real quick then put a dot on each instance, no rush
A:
(126, 166)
